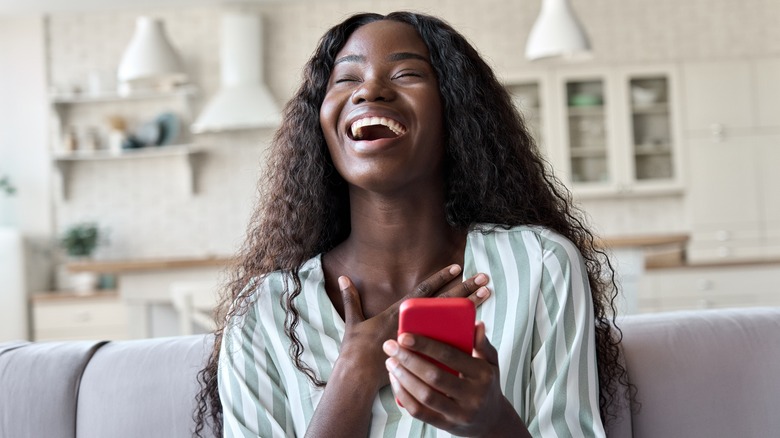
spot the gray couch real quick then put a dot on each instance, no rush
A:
(699, 374)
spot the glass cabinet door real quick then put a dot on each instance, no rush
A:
(527, 99)
(586, 110)
(651, 130)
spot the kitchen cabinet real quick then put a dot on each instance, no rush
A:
(733, 134)
(80, 130)
(531, 94)
(619, 130)
(708, 287)
(66, 316)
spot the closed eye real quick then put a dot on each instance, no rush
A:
(407, 74)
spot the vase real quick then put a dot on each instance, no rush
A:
(84, 283)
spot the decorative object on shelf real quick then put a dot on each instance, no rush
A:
(79, 241)
(243, 101)
(150, 62)
(585, 99)
(117, 131)
(70, 141)
(643, 96)
(557, 33)
(170, 126)
(6, 187)
(160, 131)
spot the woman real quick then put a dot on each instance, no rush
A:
(402, 168)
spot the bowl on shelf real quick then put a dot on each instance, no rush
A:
(643, 96)
(585, 99)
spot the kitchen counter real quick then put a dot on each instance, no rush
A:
(122, 266)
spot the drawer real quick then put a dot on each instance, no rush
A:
(79, 314)
(725, 251)
(94, 333)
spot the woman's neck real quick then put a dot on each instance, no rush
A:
(399, 241)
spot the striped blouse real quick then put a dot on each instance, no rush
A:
(539, 318)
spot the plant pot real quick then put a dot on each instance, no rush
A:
(84, 283)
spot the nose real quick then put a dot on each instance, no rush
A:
(372, 90)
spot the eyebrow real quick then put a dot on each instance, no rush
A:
(400, 56)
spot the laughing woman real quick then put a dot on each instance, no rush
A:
(402, 169)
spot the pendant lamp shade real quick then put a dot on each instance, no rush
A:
(150, 61)
(243, 100)
(556, 32)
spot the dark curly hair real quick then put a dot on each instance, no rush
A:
(494, 174)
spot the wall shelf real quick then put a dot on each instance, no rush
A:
(189, 154)
(68, 99)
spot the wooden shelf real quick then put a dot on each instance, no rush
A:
(67, 295)
(186, 91)
(118, 266)
(189, 154)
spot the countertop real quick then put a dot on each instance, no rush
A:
(130, 265)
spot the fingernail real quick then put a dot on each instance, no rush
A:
(406, 340)
(390, 347)
(454, 269)
(483, 292)
(393, 382)
(481, 280)
(391, 364)
(343, 282)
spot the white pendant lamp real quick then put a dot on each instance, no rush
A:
(557, 33)
(150, 61)
(243, 101)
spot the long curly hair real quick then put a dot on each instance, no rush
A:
(494, 174)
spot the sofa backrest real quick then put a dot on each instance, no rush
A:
(698, 374)
(141, 388)
(710, 373)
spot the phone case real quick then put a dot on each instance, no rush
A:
(449, 320)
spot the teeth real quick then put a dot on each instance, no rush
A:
(357, 127)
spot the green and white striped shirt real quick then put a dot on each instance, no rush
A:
(539, 318)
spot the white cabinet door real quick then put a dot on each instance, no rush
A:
(650, 129)
(586, 105)
(723, 182)
(718, 97)
(767, 89)
(769, 162)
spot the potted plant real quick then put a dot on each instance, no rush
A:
(79, 241)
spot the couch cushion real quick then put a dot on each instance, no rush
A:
(706, 374)
(142, 388)
(40, 386)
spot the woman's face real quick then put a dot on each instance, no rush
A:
(382, 114)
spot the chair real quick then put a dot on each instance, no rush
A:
(195, 304)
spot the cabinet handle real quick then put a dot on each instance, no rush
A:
(704, 284)
(724, 251)
(717, 130)
(83, 316)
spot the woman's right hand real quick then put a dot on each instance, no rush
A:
(361, 348)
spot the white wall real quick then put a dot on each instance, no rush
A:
(24, 156)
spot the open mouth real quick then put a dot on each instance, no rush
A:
(375, 128)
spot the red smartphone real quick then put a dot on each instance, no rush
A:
(448, 320)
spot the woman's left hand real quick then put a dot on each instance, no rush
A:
(471, 404)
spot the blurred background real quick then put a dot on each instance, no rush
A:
(132, 134)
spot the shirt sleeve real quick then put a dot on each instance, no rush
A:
(254, 401)
(563, 396)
